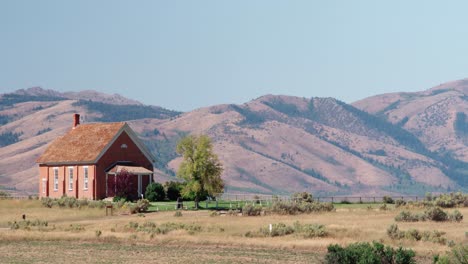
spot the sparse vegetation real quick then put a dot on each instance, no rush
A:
(117, 113)
(8, 138)
(430, 214)
(298, 229)
(433, 236)
(71, 227)
(368, 253)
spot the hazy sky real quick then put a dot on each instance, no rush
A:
(187, 54)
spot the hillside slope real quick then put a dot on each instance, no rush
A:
(273, 144)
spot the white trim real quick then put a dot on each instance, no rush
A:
(44, 185)
(56, 178)
(85, 178)
(70, 178)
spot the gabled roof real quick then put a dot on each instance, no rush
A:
(87, 143)
(135, 170)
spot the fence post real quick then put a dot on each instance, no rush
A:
(360, 199)
(332, 199)
(374, 199)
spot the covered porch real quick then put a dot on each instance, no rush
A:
(140, 177)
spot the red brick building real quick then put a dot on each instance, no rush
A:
(85, 161)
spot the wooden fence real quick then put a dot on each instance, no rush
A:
(333, 199)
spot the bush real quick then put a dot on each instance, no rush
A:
(178, 214)
(368, 253)
(310, 230)
(96, 204)
(456, 216)
(281, 229)
(27, 224)
(435, 214)
(302, 197)
(155, 192)
(413, 234)
(388, 200)
(432, 213)
(406, 216)
(400, 202)
(47, 202)
(458, 254)
(142, 205)
(251, 210)
(173, 190)
(394, 233)
(117, 199)
(292, 208)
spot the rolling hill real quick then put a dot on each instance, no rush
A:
(273, 144)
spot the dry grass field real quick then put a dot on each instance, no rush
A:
(89, 236)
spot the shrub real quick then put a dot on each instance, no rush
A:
(96, 204)
(302, 197)
(4, 194)
(75, 228)
(400, 202)
(155, 192)
(173, 190)
(434, 236)
(142, 205)
(292, 208)
(435, 214)
(413, 234)
(388, 200)
(406, 216)
(279, 229)
(178, 214)
(47, 202)
(458, 254)
(394, 233)
(251, 210)
(117, 199)
(27, 224)
(98, 233)
(310, 230)
(368, 253)
(456, 216)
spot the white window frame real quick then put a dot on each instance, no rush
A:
(70, 178)
(85, 178)
(44, 185)
(56, 178)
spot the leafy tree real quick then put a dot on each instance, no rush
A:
(173, 190)
(155, 192)
(200, 167)
(123, 186)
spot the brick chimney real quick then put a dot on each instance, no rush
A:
(76, 120)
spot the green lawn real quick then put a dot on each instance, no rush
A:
(226, 205)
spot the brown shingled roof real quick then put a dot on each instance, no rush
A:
(81, 144)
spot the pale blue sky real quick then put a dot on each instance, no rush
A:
(187, 54)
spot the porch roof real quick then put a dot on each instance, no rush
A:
(135, 170)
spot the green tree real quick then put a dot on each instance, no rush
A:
(155, 192)
(200, 168)
(173, 189)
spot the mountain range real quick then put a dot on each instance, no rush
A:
(398, 143)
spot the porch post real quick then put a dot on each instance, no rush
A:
(107, 188)
(139, 185)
